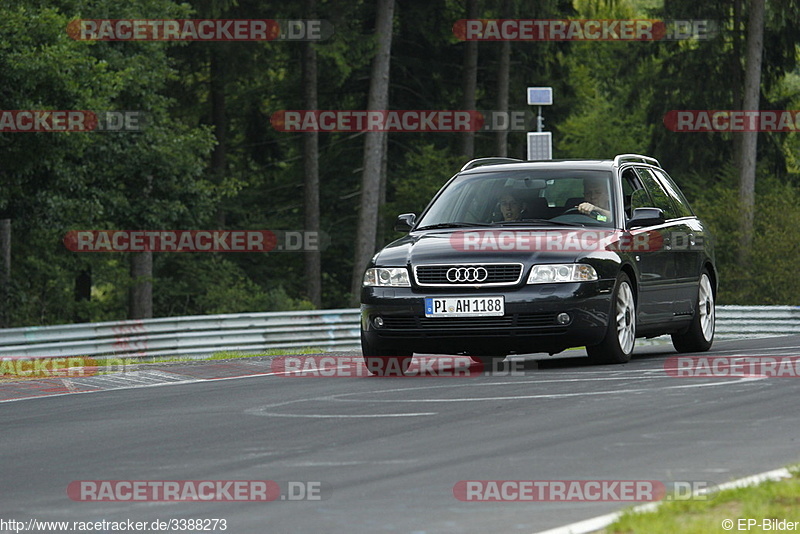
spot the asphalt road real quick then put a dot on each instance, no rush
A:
(389, 451)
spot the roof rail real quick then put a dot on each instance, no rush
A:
(637, 158)
(488, 161)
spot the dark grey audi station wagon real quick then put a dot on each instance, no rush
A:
(518, 257)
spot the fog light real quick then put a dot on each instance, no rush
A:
(562, 318)
(378, 322)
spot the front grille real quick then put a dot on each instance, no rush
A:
(499, 326)
(525, 320)
(428, 323)
(400, 323)
(496, 274)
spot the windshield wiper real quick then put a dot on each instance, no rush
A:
(451, 225)
(528, 222)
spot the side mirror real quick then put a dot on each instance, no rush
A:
(646, 217)
(404, 222)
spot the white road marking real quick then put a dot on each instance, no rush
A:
(347, 464)
(269, 410)
(559, 395)
(340, 416)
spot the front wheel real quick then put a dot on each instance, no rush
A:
(617, 345)
(381, 361)
(700, 335)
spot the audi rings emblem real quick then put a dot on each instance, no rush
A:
(467, 274)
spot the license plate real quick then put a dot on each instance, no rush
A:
(464, 306)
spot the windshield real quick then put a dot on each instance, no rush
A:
(570, 197)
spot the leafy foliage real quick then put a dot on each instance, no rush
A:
(611, 98)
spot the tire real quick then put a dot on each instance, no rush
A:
(700, 335)
(381, 361)
(617, 345)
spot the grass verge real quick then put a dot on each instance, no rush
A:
(227, 355)
(758, 508)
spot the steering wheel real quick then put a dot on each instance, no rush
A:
(594, 214)
(575, 211)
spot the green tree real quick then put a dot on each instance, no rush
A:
(56, 182)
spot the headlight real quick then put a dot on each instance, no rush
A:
(571, 272)
(387, 276)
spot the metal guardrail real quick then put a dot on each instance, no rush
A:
(755, 321)
(201, 335)
(328, 330)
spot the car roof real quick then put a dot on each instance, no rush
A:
(571, 164)
(483, 165)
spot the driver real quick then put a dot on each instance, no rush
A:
(595, 194)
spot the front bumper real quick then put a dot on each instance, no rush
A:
(529, 324)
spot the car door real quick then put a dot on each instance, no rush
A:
(667, 303)
(655, 265)
(686, 243)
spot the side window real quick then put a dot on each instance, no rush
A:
(681, 204)
(633, 192)
(660, 197)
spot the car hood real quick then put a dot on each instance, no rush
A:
(540, 245)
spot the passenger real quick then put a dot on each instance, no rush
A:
(510, 207)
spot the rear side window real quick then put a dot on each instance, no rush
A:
(681, 204)
(659, 195)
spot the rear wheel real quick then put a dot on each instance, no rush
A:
(617, 345)
(700, 335)
(382, 361)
